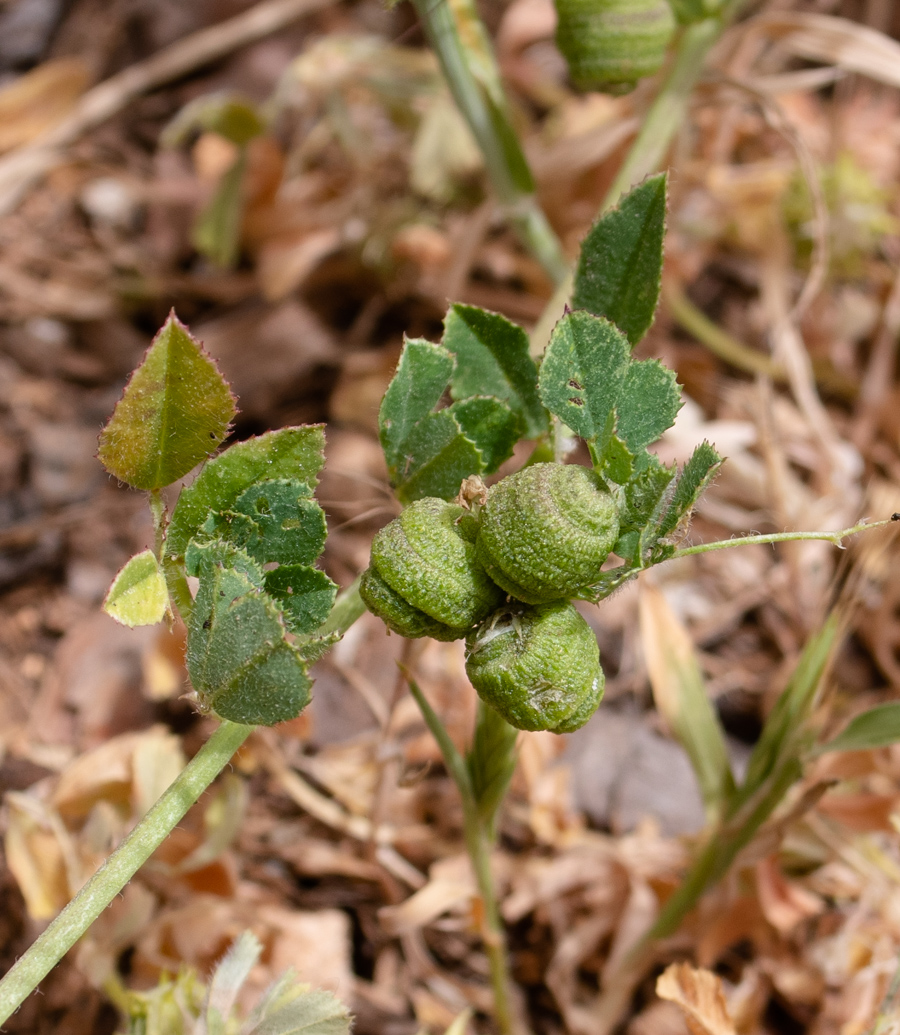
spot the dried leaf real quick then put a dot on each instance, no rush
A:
(699, 994)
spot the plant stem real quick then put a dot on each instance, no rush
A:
(782, 537)
(478, 845)
(457, 36)
(347, 609)
(120, 867)
(152, 830)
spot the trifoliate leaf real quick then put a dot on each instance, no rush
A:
(491, 425)
(293, 453)
(240, 663)
(620, 266)
(138, 594)
(304, 594)
(438, 457)
(417, 386)
(492, 358)
(175, 411)
(590, 382)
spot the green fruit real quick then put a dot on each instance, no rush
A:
(610, 44)
(546, 531)
(539, 667)
(424, 579)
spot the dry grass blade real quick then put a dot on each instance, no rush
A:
(837, 41)
(699, 994)
(680, 696)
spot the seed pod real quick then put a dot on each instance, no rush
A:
(546, 531)
(539, 667)
(424, 579)
(610, 44)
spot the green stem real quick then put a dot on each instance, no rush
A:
(666, 114)
(782, 537)
(478, 845)
(158, 511)
(152, 830)
(470, 68)
(347, 609)
(120, 867)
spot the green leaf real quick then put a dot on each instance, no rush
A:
(422, 374)
(876, 728)
(438, 457)
(785, 729)
(175, 411)
(240, 663)
(217, 232)
(491, 761)
(138, 595)
(289, 526)
(620, 266)
(590, 382)
(583, 373)
(294, 1009)
(491, 425)
(304, 594)
(645, 500)
(227, 980)
(694, 478)
(493, 358)
(649, 403)
(228, 115)
(293, 453)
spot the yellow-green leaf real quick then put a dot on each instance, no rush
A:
(175, 411)
(138, 594)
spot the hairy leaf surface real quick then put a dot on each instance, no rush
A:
(138, 594)
(293, 453)
(174, 412)
(240, 663)
(492, 358)
(620, 266)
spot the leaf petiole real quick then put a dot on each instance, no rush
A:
(784, 537)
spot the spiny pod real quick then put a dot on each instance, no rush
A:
(610, 44)
(546, 531)
(424, 579)
(539, 667)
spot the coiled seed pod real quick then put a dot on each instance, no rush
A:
(546, 531)
(610, 44)
(424, 579)
(539, 667)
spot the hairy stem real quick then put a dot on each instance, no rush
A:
(463, 48)
(478, 845)
(120, 867)
(152, 830)
(783, 537)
